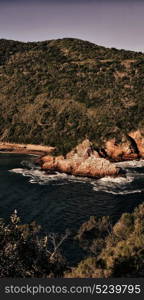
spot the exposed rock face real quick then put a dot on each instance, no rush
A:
(117, 151)
(131, 147)
(139, 140)
(48, 162)
(83, 150)
(96, 167)
(82, 161)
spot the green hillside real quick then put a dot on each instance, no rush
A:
(58, 92)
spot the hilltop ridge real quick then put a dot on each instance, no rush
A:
(60, 92)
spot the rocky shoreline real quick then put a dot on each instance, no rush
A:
(85, 161)
(82, 161)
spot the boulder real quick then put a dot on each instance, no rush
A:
(81, 161)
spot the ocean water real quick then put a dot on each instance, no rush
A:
(59, 202)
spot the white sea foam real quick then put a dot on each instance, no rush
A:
(116, 180)
(38, 175)
(118, 185)
(121, 185)
(115, 192)
(131, 164)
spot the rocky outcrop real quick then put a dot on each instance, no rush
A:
(84, 160)
(121, 151)
(83, 150)
(131, 147)
(96, 167)
(81, 161)
(138, 137)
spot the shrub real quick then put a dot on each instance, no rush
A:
(25, 253)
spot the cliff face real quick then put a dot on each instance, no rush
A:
(131, 147)
(138, 137)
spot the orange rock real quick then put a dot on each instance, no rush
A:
(60, 157)
(47, 158)
(83, 150)
(139, 139)
(114, 151)
(47, 162)
(64, 166)
(82, 161)
(96, 167)
(125, 150)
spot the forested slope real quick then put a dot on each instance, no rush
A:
(58, 92)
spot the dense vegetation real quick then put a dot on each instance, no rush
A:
(58, 92)
(24, 252)
(114, 251)
(111, 251)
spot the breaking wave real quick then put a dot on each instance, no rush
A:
(131, 183)
(38, 176)
(121, 185)
(117, 186)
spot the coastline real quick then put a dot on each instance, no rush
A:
(81, 161)
(38, 150)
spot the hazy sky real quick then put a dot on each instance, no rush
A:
(112, 23)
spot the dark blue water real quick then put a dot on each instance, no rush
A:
(60, 202)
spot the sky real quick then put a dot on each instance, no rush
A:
(110, 23)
